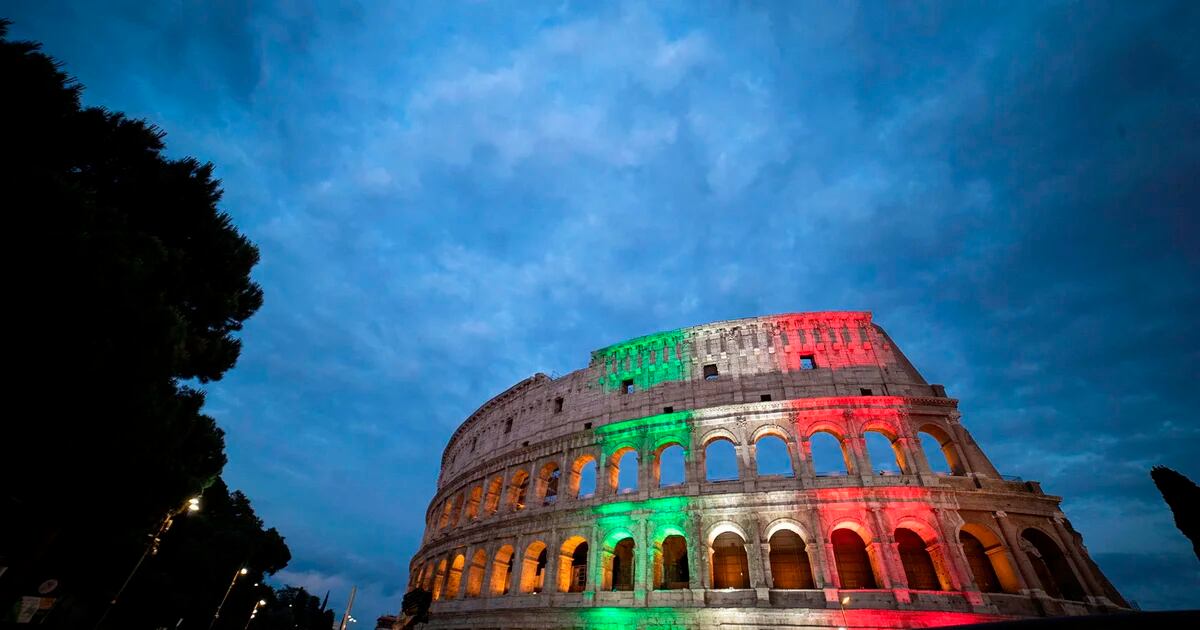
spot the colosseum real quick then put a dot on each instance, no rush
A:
(789, 471)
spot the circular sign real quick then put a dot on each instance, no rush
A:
(47, 587)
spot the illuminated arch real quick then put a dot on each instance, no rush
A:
(719, 434)
(473, 502)
(454, 578)
(729, 564)
(920, 569)
(1051, 565)
(788, 557)
(475, 573)
(576, 475)
(518, 490)
(855, 566)
(533, 567)
(491, 502)
(945, 444)
(548, 481)
(618, 558)
(988, 559)
(772, 429)
(788, 524)
(656, 469)
(616, 461)
(573, 565)
(502, 570)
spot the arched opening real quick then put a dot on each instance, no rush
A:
(473, 502)
(853, 563)
(618, 574)
(668, 465)
(583, 477)
(918, 564)
(518, 490)
(426, 579)
(533, 568)
(939, 451)
(475, 573)
(720, 460)
(990, 563)
(881, 450)
(439, 580)
(454, 580)
(790, 567)
(730, 566)
(456, 509)
(771, 453)
(981, 565)
(671, 563)
(828, 457)
(623, 476)
(572, 565)
(1058, 580)
(502, 570)
(444, 520)
(548, 478)
(492, 501)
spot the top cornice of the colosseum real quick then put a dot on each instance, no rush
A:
(863, 317)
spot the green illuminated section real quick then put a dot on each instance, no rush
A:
(616, 618)
(646, 361)
(661, 505)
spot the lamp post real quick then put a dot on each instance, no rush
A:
(236, 574)
(192, 505)
(261, 602)
(842, 603)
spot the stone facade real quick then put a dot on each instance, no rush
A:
(512, 541)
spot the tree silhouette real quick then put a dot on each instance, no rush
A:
(127, 289)
(1183, 497)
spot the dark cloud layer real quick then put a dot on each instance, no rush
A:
(449, 198)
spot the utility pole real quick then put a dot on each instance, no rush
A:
(349, 606)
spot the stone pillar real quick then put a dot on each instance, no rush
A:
(793, 449)
(857, 449)
(914, 460)
(745, 471)
(760, 573)
(642, 557)
(604, 472)
(1032, 585)
(806, 471)
(885, 558)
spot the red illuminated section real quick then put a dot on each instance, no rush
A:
(829, 340)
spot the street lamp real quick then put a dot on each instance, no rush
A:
(192, 505)
(236, 574)
(261, 602)
(842, 602)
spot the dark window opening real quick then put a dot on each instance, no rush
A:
(668, 409)
(587, 425)
(473, 440)
(710, 372)
(627, 386)
(525, 443)
(807, 362)
(558, 404)
(864, 391)
(508, 425)
(764, 398)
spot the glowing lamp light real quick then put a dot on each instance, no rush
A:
(845, 600)
(193, 504)
(262, 602)
(244, 571)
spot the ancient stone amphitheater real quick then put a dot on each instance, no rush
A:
(540, 522)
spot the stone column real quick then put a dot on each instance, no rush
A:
(642, 557)
(760, 573)
(805, 471)
(858, 456)
(885, 558)
(745, 472)
(914, 459)
(646, 472)
(604, 472)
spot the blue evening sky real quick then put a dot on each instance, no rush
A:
(450, 197)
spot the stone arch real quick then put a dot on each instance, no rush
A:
(619, 459)
(518, 490)
(883, 452)
(491, 501)
(656, 469)
(855, 566)
(439, 579)
(618, 558)
(502, 570)
(548, 481)
(426, 580)
(670, 553)
(473, 502)
(720, 527)
(573, 565)
(788, 524)
(575, 478)
(712, 457)
(764, 445)
(822, 466)
(917, 560)
(454, 578)
(986, 556)
(533, 567)
(475, 573)
(788, 557)
(1050, 563)
(729, 563)
(772, 429)
(945, 445)
(456, 509)
(444, 519)
(719, 433)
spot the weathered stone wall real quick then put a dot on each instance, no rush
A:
(508, 495)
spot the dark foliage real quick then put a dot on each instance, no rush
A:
(416, 607)
(128, 287)
(1183, 497)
